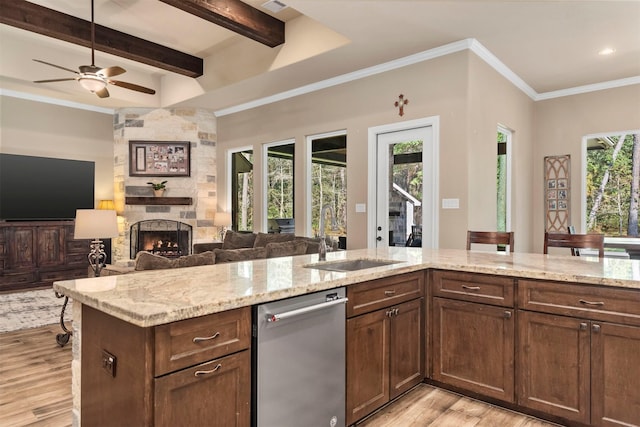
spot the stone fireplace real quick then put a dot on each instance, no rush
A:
(184, 215)
(164, 237)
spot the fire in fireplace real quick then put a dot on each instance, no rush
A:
(161, 237)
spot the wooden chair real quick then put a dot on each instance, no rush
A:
(490, 238)
(574, 241)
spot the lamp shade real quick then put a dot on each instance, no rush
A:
(222, 219)
(107, 205)
(95, 223)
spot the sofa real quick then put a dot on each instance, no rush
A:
(235, 247)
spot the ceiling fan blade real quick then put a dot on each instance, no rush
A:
(132, 87)
(112, 71)
(102, 93)
(54, 80)
(56, 66)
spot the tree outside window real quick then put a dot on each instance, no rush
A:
(613, 185)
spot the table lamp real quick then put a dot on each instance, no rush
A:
(222, 220)
(91, 223)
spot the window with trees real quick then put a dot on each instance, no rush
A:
(242, 189)
(279, 182)
(613, 184)
(328, 165)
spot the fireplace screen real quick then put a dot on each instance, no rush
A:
(161, 237)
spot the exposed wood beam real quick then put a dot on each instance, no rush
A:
(51, 23)
(236, 16)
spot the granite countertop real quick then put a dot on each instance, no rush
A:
(150, 298)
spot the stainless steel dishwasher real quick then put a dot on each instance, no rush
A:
(299, 361)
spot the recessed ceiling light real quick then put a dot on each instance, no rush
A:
(606, 51)
(274, 6)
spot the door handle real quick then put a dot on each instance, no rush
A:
(379, 238)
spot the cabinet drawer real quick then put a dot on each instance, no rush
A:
(590, 302)
(189, 342)
(16, 278)
(376, 294)
(483, 288)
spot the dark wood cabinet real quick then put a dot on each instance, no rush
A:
(474, 347)
(554, 368)
(213, 393)
(385, 347)
(192, 372)
(473, 333)
(584, 368)
(37, 253)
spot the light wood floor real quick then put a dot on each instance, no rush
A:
(35, 390)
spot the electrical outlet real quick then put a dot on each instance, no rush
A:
(109, 363)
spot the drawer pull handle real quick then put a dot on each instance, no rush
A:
(211, 371)
(389, 293)
(200, 339)
(598, 303)
(471, 288)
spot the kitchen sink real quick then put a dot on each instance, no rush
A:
(351, 264)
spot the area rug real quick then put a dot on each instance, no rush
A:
(31, 309)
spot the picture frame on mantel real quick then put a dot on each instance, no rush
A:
(159, 158)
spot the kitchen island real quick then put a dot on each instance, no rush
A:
(156, 300)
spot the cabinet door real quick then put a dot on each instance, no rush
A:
(554, 365)
(406, 347)
(215, 393)
(21, 247)
(50, 242)
(474, 346)
(615, 371)
(367, 363)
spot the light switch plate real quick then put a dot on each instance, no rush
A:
(361, 207)
(450, 203)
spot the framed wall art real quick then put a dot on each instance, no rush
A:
(159, 158)
(557, 213)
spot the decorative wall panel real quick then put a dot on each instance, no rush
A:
(557, 184)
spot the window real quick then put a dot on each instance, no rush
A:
(242, 189)
(612, 184)
(279, 186)
(503, 180)
(328, 182)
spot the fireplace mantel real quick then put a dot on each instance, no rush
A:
(158, 200)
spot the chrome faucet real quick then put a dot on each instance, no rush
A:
(322, 247)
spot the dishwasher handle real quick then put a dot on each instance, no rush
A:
(292, 313)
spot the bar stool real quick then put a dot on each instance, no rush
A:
(574, 241)
(490, 238)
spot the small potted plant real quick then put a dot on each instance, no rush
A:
(158, 188)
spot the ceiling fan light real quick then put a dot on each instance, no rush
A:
(92, 83)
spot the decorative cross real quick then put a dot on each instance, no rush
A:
(401, 102)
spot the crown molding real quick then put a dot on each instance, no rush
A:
(345, 78)
(493, 61)
(588, 88)
(472, 44)
(54, 101)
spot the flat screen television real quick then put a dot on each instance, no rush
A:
(42, 188)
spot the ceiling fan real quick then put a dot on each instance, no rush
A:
(95, 79)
